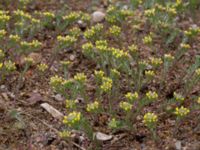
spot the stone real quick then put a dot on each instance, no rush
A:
(98, 16)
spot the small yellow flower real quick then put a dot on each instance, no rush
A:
(88, 48)
(185, 46)
(114, 73)
(156, 61)
(92, 106)
(198, 100)
(2, 55)
(65, 63)
(147, 39)
(99, 74)
(2, 34)
(72, 118)
(151, 95)
(143, 64)
(70, 104)
(106, 84)
(197, 71)
(131, 97)
(73, 16)
(48, 14)
(115, 30)
(125, 106)
(168, 57)
(182, 111)
(113, 123)
(28, 60)
(9, 65)
(80, 77)
(149, 12)
(149, 74)
(42, 67)
(133, 49)
(150, 118)
(56, 81)
(178, 97)
(65, 134)
(66, 41)
(14, 38)
(1, 65)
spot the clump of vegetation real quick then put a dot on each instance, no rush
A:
(137, 68)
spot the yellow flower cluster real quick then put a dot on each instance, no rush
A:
(114, 73)
(65, 134)
(35, 22)
(48, 14)
(65, 63)
(106, 84)
(68, 83)
(119, 54)
(197, 71)
(131, 97)
(192, 31)
(168, 57)
(22, 15)
(2, 55)
(1, 65)
(66, 40)
(151, 95)
(143, 64)
(156, 61)
(4, 18)
(87, 48)
(113, 123)
(147, 39)
(99, 74)
(133, 49)
(149, 74)
(85, 17)
(91, 33)
(115, 30)
(125, 106)
(70, 104)
(92, 106)
(42, 67)
(9, 65)
(198, 100)
(80, 77)
(150, 118)
(14, 38)
(73, 16)
(182, 111)
(2, 33)
(101, 43)
(149, 12)
(30, 45)
(56, 81)
(75, 31)
(185, 46)
(72, 118)
(28, 60)
(178, 97)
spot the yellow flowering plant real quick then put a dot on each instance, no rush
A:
(80, 85)
(150, 120)
(65, 66)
